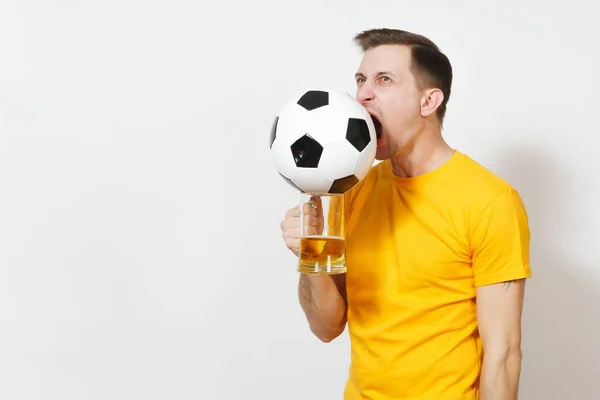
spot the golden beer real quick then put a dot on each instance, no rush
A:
(322, 254)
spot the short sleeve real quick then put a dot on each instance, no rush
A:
(500, 241)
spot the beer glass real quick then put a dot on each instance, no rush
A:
(322, 234)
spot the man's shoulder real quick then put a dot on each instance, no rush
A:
(481, 191)
(480, 181)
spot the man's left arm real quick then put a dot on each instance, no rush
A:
(499, 309)
(500, 267)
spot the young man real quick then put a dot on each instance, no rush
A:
(437, 247)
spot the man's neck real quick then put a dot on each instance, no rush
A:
(428, 153)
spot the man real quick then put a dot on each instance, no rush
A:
(437, 247)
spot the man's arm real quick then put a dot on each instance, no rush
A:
(499, 310)
(500, 250)
(322, 297)
(323, 300)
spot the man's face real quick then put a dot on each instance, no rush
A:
(387, 89)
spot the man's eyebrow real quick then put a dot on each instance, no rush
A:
(361, 75)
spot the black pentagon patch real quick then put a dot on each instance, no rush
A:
(290, 183)
(358, 133)
(273, 132)
(314, 99)
(344, 184)
(307, 152)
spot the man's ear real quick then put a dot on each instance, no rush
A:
(431, 100)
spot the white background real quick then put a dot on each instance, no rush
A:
(140, 251)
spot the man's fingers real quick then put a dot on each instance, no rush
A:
(310, 210)
(312, 221)
(291, 233)
(293, 212)
(309, 215)
(311, 230)
(307, 209)
(316, 201)
(290, 223)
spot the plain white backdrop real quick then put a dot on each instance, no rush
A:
(140, 251)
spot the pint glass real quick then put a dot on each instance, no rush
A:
(322, 234)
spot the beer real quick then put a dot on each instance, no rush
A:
(322, 254)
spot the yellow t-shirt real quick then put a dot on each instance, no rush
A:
(416, 250)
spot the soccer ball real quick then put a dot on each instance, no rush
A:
(323, 142)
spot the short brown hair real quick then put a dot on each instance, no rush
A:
(430, 66)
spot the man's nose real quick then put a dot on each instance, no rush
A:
(365, 94)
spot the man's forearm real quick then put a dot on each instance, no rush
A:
(500, 377)
(324, 306)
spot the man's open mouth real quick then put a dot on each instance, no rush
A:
(377, 125)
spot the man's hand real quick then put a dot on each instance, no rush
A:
(313, 223)
(499, 310)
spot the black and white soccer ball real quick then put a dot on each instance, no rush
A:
(323, 141)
